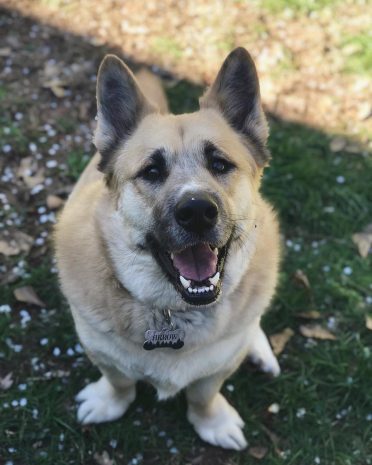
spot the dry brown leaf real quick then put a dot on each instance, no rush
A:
(317, 332)
(363, 240)
(279, 340)
(56, 86)
(6, 382)
(369, 322)
(29, 172)
(16, 243)
(5, 51)
(337, 144)
(301, 279)
(28, 295)
(311, 315)
(258, 452)
(103, 459)
(54, 202)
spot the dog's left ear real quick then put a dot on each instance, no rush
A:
(121, 105)
(236, 94)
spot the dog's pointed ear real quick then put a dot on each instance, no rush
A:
(236, 94)
(120, 107)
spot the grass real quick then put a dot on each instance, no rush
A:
(359, 58)
(324, 391)
(297, 6)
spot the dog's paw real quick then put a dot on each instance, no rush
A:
(100, 402)
(262, 355)
(221, 427)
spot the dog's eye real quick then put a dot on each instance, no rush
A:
(220, 166)
(152, 173)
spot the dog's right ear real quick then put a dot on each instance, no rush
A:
(121, 105)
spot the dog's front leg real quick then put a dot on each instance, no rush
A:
(261, 353)
(213, 418)
(106, 399)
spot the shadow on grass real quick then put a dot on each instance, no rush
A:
(321, 198)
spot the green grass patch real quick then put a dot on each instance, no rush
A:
(164, 45)
(76, 162)
(359, 54)
(298, 6)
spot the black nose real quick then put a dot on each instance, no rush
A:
(196, 213)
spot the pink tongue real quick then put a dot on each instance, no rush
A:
(196, 263)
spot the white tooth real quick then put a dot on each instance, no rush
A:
(189, 289)
(200, 290)
(195, 290)
(215, 251)
(214, 279)
(185, 282)
(171, 256)
(211, 288)
(206, 289)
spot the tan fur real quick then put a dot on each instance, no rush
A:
(112, 288)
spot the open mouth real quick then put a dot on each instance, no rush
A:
(195, 271)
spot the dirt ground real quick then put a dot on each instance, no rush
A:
(309, 59)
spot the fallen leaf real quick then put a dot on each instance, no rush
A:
(301, 279)
(6, 382)
(103, 459)
(369, 322)
(317, 332)
(363, 240)
(5, 51)
(28, 295)
(258, 452)
(279, 340)
(337, 144)
(29, 172)
(54, 202)
(16, 243)
(311, 315)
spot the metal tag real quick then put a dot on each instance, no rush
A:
(172, 338)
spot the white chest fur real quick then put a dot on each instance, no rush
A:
(167, 370)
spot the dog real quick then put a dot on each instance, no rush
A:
(167, 253)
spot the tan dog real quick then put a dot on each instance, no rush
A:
(170, 247)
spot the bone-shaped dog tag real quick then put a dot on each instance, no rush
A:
(172, 338)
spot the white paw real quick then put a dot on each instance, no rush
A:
(222, 427)
(262, 355)
(100, 402)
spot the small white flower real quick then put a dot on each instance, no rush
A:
(301, 412)
(56, 351)
(18, 116)
(113, 443)
(5, 309)
(347, 270)
(14, 403)
(32, 146)
(51, 163)
(340, 179)
(7, 148)
(274, 408)
(22, 387)
(326, 268)
(44, 341)
(23, 402)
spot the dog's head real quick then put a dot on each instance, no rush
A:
(184, 185)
